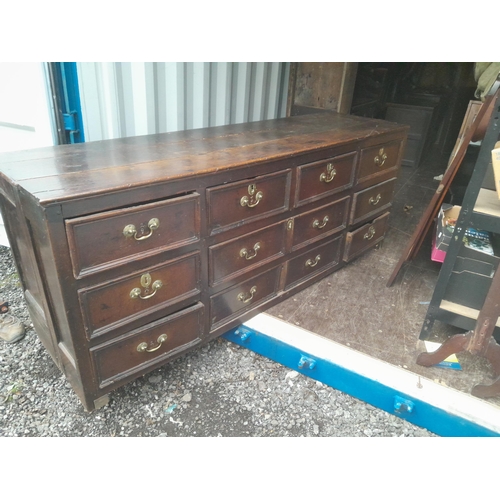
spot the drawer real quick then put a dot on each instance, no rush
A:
(245, 201)
(314, 261)
(244, 296)
(365, 237)
(116, 303)
(247, 252)
(372, 201)
(107, 239)
(380, 158)
(320, 223)
(148, 346)
(319, 179)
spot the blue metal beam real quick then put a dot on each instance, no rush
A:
(381, 396)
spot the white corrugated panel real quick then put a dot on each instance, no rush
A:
(128, 99)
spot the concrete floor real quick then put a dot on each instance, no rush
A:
(354, 307)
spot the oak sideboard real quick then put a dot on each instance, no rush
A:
(133, 251)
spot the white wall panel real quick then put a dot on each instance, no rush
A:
(127, 99)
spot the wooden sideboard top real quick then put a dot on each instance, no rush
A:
(66, 172)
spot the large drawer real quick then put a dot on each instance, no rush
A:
(320, 223)
(323, 178)
(244, 201)
(378, 159)
(231, 258)
(147, 346)
(106, 239)
(314, 261)
(372, 201)
(244, 296)
(365, 237)
(116, 303)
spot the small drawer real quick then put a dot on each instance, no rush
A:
(372, 201)
(380, 158)
(242, 254)
(365, 237)
(148, 346)
(323, 178)
(314, 261)
(116, 303)
(320, 223)
(248, 200)
(107, 239)
(244, 296)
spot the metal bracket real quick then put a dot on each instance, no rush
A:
(243, 334)
(306, 362)
(402, 405)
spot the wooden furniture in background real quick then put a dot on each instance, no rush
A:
(316, 87)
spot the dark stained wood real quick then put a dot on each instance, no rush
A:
(372, 201)
(367, 236)
(323, 178)
(66, 209)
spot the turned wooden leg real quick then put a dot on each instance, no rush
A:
(453, 345)
(492, 354)
(487, 391)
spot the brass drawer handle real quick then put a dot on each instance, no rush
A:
(143, 346)
(248, 256)
(254, 198)
(329, 175)
(380, 158)
(374, 201)
(370, 234)
(145, 283)
(245, 298)
(313, 263)
(320, 225)
(130, 230)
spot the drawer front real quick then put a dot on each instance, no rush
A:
(369, 202)
(247, 252)
(114, 304)
(103, 240)
(310, 263)
(377, 159)
(325, 177)
(246, 295)
(245, 201)
(365, 237)
(147, 346)
(320, 223)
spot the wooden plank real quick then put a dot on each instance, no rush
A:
(432, 210)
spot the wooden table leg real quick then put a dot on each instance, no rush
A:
(453, 345)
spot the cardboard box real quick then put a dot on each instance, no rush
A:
(495, 160)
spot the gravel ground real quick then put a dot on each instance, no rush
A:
(219, 390)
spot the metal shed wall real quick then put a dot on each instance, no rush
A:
(127, 99)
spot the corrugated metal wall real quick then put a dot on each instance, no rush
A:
(128, 99)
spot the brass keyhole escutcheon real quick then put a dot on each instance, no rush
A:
(130, 230)
(146, 280)
(254, 197)
(380, 158)
(329, 175)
